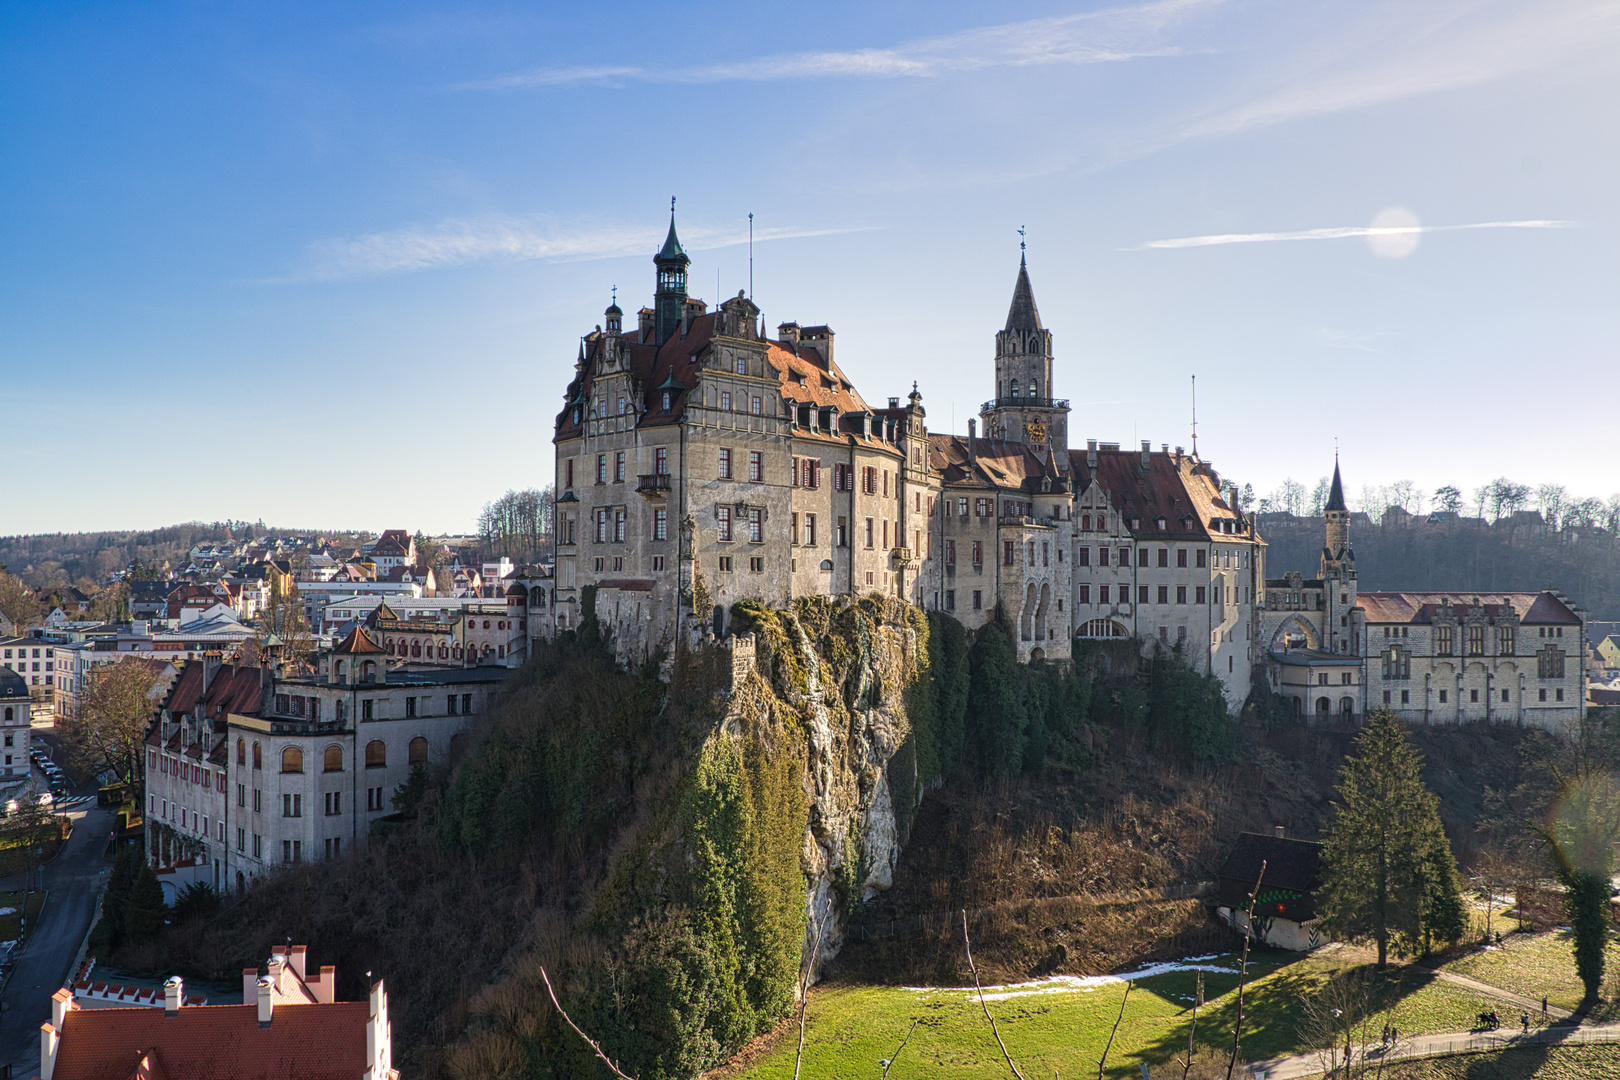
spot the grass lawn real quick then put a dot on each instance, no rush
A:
(1542, 1063)
(26, 904)
(1061, 1027)
(1532, 965)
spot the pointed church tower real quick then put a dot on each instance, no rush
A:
(1024, 409)
(1338, 561)
(670, 298)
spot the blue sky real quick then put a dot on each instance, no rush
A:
(328, 264)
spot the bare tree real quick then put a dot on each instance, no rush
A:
(1551, 500)
(1334, 1016)
(1319, 496)
(110, 731)
(968, 946)
(18, 602)
(1243, 972)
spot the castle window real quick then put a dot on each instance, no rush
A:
(757, 405)
(1443, 640)
(1085, 522)
(757, 564)
(1181, 594)
(568, 473)
(661, 461)
(1164, 556)
(725, 400)
(1141, 593)
(618, 467)
(621, 406)
(1200, 558)
(722, 521)
(1550, 663)
(1476, 640)
(1164, 594)
(1084, 554)
(601, 468)
(742, 365)
(661, 523)
(725, 463)
(1102, 556)
(869, 533)
(1200, 594)
(1009, 553)
(950, 599)
(810, 530)
(756, 466)
(978, 600)
(1504, 640)
(1085, 594)
(725, 564)
(1181, 557)
(1102, 594)
(756, 525)
(666, 401)
(1141, 556)
(950, 552)
(978, 553)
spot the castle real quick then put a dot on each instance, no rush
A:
(700, 461)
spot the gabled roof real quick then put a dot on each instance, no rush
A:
(1290, 864)
(1180, 489)
(215, 1042)
(1532, 608)
(998, 464)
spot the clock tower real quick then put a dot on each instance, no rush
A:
(1024, 409)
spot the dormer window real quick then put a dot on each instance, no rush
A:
(666, 401)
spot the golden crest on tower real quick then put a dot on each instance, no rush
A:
(1036, 430)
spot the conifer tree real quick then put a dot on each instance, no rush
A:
(1583, 830)
(143, 917)
(1387, 869)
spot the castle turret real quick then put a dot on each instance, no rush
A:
(669, 301)
(1024, 409)
(1338, 561)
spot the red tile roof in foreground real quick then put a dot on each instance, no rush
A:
(215, 1042)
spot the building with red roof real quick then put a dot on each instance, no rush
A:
(289, 1028)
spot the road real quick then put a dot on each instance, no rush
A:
(1440, 1044)
(73, 879)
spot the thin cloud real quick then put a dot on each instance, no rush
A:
(1468, 45)
(1338, 233)
(1097, 37)
(460, 242)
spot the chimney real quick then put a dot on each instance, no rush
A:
(297, 958)
(973, 453)
(266, 1005)
(212, 660)
(278, 960)
(1279, 831)
(173, 995)
(1147, 455)
(250, 980)
(788, 333)
(1091, 453)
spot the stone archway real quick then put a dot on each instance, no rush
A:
(1291, 630)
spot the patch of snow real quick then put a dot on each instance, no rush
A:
(1063, 984)
(8, 911)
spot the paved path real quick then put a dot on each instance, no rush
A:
(73, 878)
(1440, 1044)
(1518, 1001)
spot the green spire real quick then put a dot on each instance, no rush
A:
(672, 243)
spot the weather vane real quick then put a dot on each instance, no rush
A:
(1020, 238)
(615, 296)
(672, 204)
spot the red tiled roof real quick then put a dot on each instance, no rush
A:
(357, 642)
(997, 463)
(1180, 489)
(1534, 608)
(216, 1042)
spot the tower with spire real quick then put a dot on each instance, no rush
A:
(1023, 409)
(1338, 560)
(670, 298)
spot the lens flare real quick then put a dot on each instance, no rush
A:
(1395, 233)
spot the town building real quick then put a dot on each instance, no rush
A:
(15, 703)
(289, 1027)
(321, 758)
(32, 658)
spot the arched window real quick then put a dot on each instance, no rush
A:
(369, 672)
(10, 715)
(376, 754)
(340, 670)
(1347, 707)
(418, 750)
(340, 710)
(241, 752)
(486, 624)
(292, 760)
(334, 759)
(1324, 707)
(258, 756)
(416, 648)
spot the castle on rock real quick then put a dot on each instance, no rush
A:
(701, 461)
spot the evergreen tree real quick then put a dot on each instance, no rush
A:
(1582, 830)
(1387, 869)
(143, 918)
(996, 707)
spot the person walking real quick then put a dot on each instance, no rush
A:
(1524, 1018)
